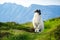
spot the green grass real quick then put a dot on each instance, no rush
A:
(15, 31)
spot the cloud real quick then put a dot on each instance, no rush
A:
(27, 3)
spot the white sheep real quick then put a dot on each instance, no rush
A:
(37, 21)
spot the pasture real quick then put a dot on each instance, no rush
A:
(16, 31)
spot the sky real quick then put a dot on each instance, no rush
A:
(27, 3)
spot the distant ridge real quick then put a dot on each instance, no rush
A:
(17, 13)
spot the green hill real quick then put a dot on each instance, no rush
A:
(15, 31)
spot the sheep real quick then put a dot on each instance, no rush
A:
(37, 21)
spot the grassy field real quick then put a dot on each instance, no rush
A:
(15, 31)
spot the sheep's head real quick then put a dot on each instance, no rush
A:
(38, 11)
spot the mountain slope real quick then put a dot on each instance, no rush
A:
(21, 14)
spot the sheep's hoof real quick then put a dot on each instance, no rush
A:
(40, 30)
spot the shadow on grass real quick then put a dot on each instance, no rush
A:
(2, 34)
(28, 29)
(15, 26)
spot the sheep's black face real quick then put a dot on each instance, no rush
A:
(38, 11)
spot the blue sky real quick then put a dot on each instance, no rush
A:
(27, 3)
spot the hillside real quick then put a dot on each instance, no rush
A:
(15, 31)
(11, 12)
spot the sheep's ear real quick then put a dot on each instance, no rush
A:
(36, 10)
(39, 12)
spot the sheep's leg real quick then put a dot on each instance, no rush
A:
(41, 27)
(35, 27)
(37, 30)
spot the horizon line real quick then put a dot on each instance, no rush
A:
(30, 5)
